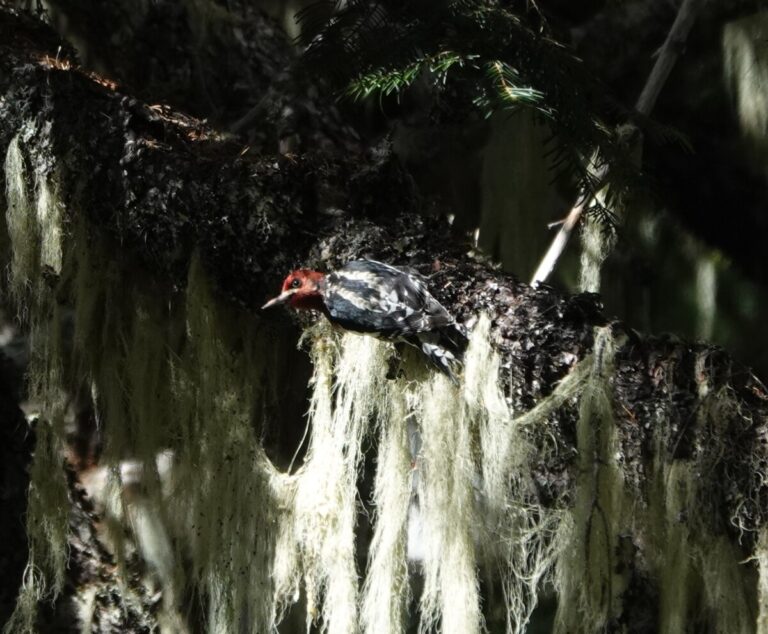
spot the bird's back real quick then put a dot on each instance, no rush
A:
(371, 296)
(393, 303)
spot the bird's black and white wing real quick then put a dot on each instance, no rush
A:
(392, 303)
(373, 297)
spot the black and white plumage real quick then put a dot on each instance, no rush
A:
(385, 301)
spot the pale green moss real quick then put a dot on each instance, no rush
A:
(48, 510)
(447, 473)
(745, 67)
(762, 586)
(22, 225)
(386, 591)
(589, 580)
(47, 529)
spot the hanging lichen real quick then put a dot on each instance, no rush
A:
(386, 592)
(345, 398)
(32, 211)
(21, 224)
(590, 583)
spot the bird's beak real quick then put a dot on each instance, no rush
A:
(280, 299)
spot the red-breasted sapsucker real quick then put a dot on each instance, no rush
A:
(385, 301)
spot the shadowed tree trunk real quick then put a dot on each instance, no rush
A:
(623, 472)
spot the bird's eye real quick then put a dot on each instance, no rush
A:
(296, 283)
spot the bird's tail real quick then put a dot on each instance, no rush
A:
(444, 348)
(453, 337)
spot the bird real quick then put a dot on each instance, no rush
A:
(388, 302)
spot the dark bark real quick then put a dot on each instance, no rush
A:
(160, 186)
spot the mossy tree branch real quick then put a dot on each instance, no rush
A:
(674, 432)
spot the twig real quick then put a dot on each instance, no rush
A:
(559, 242)
(668, 55)
(547, 264)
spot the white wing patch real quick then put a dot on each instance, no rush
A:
(358, 301)
(366, 277)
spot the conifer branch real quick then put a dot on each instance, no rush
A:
(668, 54)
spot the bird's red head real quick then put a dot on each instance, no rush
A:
(301, 289)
